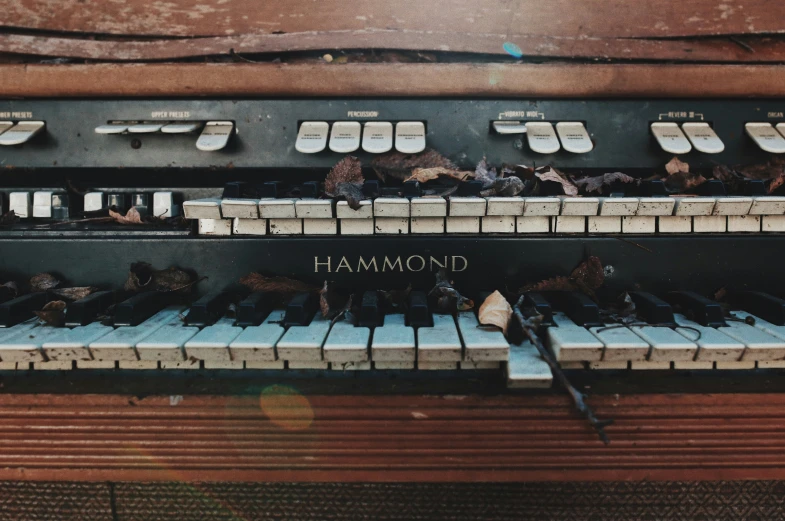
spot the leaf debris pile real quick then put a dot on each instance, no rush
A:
(53, 313)
(144, 277)
(345, 181)
(283, 286)
(448, 299)
(495, 311)
(588, 277)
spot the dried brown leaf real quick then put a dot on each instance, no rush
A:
(732, 179)
(53, 313)
(331, 302)
(551, 174)
(772, 169)
(485, 174)
(504, 187)
(676, 166)
(596, 183)
(587, 277)
(679, 178)
(43, 282)
(281, 285)
(400, 166)
(495, 310)
(74, 293)
(423, 175)
(553, 284)
(351, 192)
(9, 218)
(348, 170)
(143, 277)
(132, 216)
(448, 299)
(397, 298)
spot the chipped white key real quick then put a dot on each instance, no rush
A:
(541, 206)
(713, 344)
(42, 205)
(694, 206)
(569, 224)
(357, 226)
(377, 137)
(620, 343)
(167, 344)
(580, 206)
(9, 332)
(573, 343)
(286, 226)
(773, 223)
(638, 224)
(393, 341)
(410, 137)
(312, 137)
(764, 135)
(598, 224)
(249, 226)
(120, 344)
(674, 224)
(534, 224)
(526, 369)
(574, 137)
(304, 343)
(21, 133)
(277, 208)
(612, 206)
(439, 343)
(27, 346)
(344, 211)
(744, 223)
(257, 343)
(670, 138)
(504, 206)
(212, 342)
(94, 201)
(345, 137)
(215, 136)
(767, 205)
(21, 204)
(145, 128)
(763, 325)
(703, 138)
(391, 226)
(314, 209)
(71, 344)
(462, 224)
(732, 206)
(427, 225)
(666, 344)
(320, 226)
(428, 207)
(759, 344)
(467, 206)
(216, 227)
(542, 137)
(391, 207)
(209, 208)
(655, 206)
(509, 127)
(498, 224)
(164, 205)
(181, 128)
(109, 128)
(240, 208)
(482, 345)
(347, 343)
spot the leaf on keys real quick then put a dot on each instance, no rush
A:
(773, 170)
(504, 187)
(331, 302)
(8, 218)
(348, 170)
(448, 299)
(486, 174)
(495, 310)
(283, 286)
(74, 293)
(729, 177)
(400, 166)
(143, 277)
(679, 178)
(351, 192)
(132, 216)
(548, 173)
(397, 298)
(423, 175)
(53, 313)
(43, 282)
(596, 183)
(587, 277)
(8, 291)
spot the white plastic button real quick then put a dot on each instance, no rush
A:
(703, 138)
(574, 137)
(410, 137)
(542, 138)
(509, 127)
(112, 128)
(42, 205)
(312, 137)
(764, 135)
(145, 128)
(21, 133)
(180, 128)
(20, 203)
(5, 125)
(215, 135)
(671, 138)
(378, 137)
(345, 137)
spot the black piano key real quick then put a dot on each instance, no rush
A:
(209, 308)
(84, 311)
(704, 311)
(21, 308)
(300, 310)
(754, 187)
(274, 189)
(579, 307)
(653, 188)
(470, 189)
(372, 189)
(137, 309)
(255, 308)
(540, 305)
(419, 314)
(309, 190)
(651, 308)
(712, 188)
(233, 190)
(370, 310)
(412, 189)
(762, 305)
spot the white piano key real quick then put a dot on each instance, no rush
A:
(377, 137)
(613, 206)
(428, 207)
(439, 343)
(308, 364)
(771, 364)
(394, 366)
(570, 224)
(218, 227)
(743, 365)
(636, 224)
(509, 127)
(710, 224)
(597, 224)
(765, 136)
(391, 207)
(71, 344)
(674, 224)
(773, 223)
(772, 329)
(164, 205)
(462, 224)
(62, 365)
(650, 365)
(249, 226)
(285, 226)
(277, 209)
(670, 138)
(732, 205)
(120, 344)
(351, 366)
(394, 341)
(192, 363)
(27, 346)
(314, 209)
(620, 344)
(574, 137)
(344, 211)
(526, 369)
(202, 208)
(409, 137)
(703, 137)
(540, 206)
(240, 208)
(109, 128)
(504, 206)
(167, 344)
(139, 365)
(609, 366)
(357, 226)
(694, 205)
(713, 344)
(580, 206)
(312, 137)
(573, 343)
(215, 136)
(320, 226)
(21, 204)
(212, 343)
(144, 128)
(9, 332)
(94, 201)
(304, 343)
(21, 133)
(437, 366)
(345, 136)
(758, 344)
(347, 343)
(767, 205)
(224, 364)
(183, 127)
(96, 364)
(257, 343)
(427, 225)
(42, 205)
(573, 365)
(693, 366)
(481, 345)
(744, 223)
(467, 206)
(542, 137)
(498, 224)
(265, 366)
(539, 224)
(655, 206)
(471, 365)
(391, 225)
(666, 344)
(9, 366)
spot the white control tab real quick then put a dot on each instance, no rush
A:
(671, 138)
(378, 137)
(764, 135)
(780, 128)
(21, 133)
(20, 204)
(181, 128)
(215, 135)
(112, 128)
(42, 205)
(94, 201)
(345, 136)
(5, 125)
(509, 127)
(410, 137)
(542, 138)
(312, 137)
(145, 128)
(703, 138)
(574, 137)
